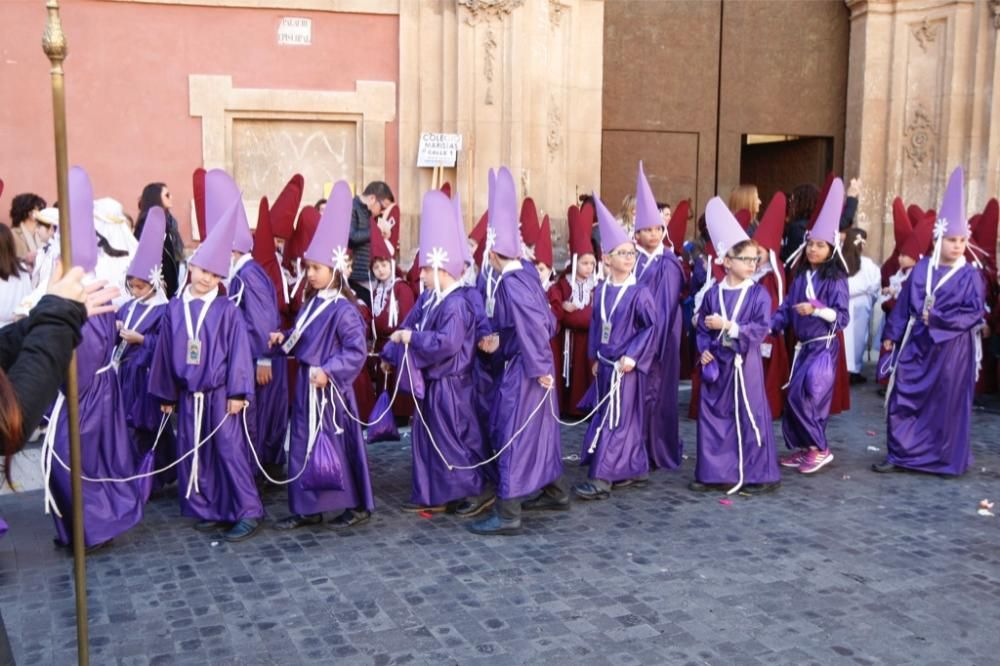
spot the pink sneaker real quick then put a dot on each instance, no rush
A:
(793, 459)
(815, 460)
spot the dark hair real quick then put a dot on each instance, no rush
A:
(831, 269)
(152, 195)
(852, 249)
(22, 206)
(11, 423)
(10, 265)
(106, 248)
(381, 190)
(742, 245)
(319, 203)
(338, 283)
(803, 202)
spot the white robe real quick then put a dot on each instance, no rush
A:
(864, 287)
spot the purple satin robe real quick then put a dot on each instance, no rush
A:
(935, 371)
(335, 343)
(442, 348)
(810, 389)
(253, 292)
(718, 441)
(109, 509)
(226, 488)
(142, 410)
(664, 278)
(621, 451)
(525, 323)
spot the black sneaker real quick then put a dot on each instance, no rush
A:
(296, 521)
(886, 467)
(470, 508)
(546, 502)
(349, 518)
(242, 530)
(494, 524)
(212, 526)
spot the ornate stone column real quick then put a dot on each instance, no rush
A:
(521, 80)
(922, 98)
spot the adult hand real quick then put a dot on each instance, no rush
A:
(95, 296)
(854, 188)
(805, 309)
(264, 375)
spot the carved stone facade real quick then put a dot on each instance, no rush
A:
(923, 98)
(521, 80)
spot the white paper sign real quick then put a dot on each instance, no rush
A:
(438, 150)
(294, 31)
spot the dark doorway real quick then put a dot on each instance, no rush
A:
(780, 162)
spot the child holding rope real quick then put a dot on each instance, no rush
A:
(449, 451)
(203, 370)
(525, 431)
(327, 460)
(621, 349)
(816, 308)
(933, 333)
(735, 439)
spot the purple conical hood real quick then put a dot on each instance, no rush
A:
(83, 237)
(827, 226)
(220, 191)
(503, 217)
(723, 227)
(647, 215)
(147, 264)
(440, 242)
(951, 214)
(215, 254)
(329, 243)
(612, 233)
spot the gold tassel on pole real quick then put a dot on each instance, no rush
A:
(54, 45)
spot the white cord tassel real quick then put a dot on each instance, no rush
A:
(740, 391)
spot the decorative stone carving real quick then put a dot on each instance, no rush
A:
(488, 10)
(489, 55)
(554, 139)
(919, 133)
(925, 33)
(556, 10)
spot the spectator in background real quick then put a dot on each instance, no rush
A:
(15, 277)
(370, 203)
(174, 273)
(26, 228)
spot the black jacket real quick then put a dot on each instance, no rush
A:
(35, 353)
(360, 241)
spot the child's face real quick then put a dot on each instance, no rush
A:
(44, 231)
(622, 259)
(650, 238)
(203, 282)
(665, 215)
(952, 247)
(139, 288)
(818, 251)
(542, 269)
(586, 264)
(743, 264)
(279, 245)
(319, 276)
(381, 269)
(427, 277)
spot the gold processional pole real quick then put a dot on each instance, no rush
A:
(54, 45)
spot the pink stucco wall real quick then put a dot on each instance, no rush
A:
(127, 86)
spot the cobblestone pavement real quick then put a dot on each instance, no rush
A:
(845, 567)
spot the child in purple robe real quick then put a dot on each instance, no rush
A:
(934, 331)
(525, 434)
(203, 371)
(816, 307)
(328, 342)
(138, 323)
(252, 291)
(736, 447)
(109, 507)
(450, 470)
(661, 273)
(621, 350)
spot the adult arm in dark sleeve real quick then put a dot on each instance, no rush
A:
(48, 336)
(360, 225)
(847, 215)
